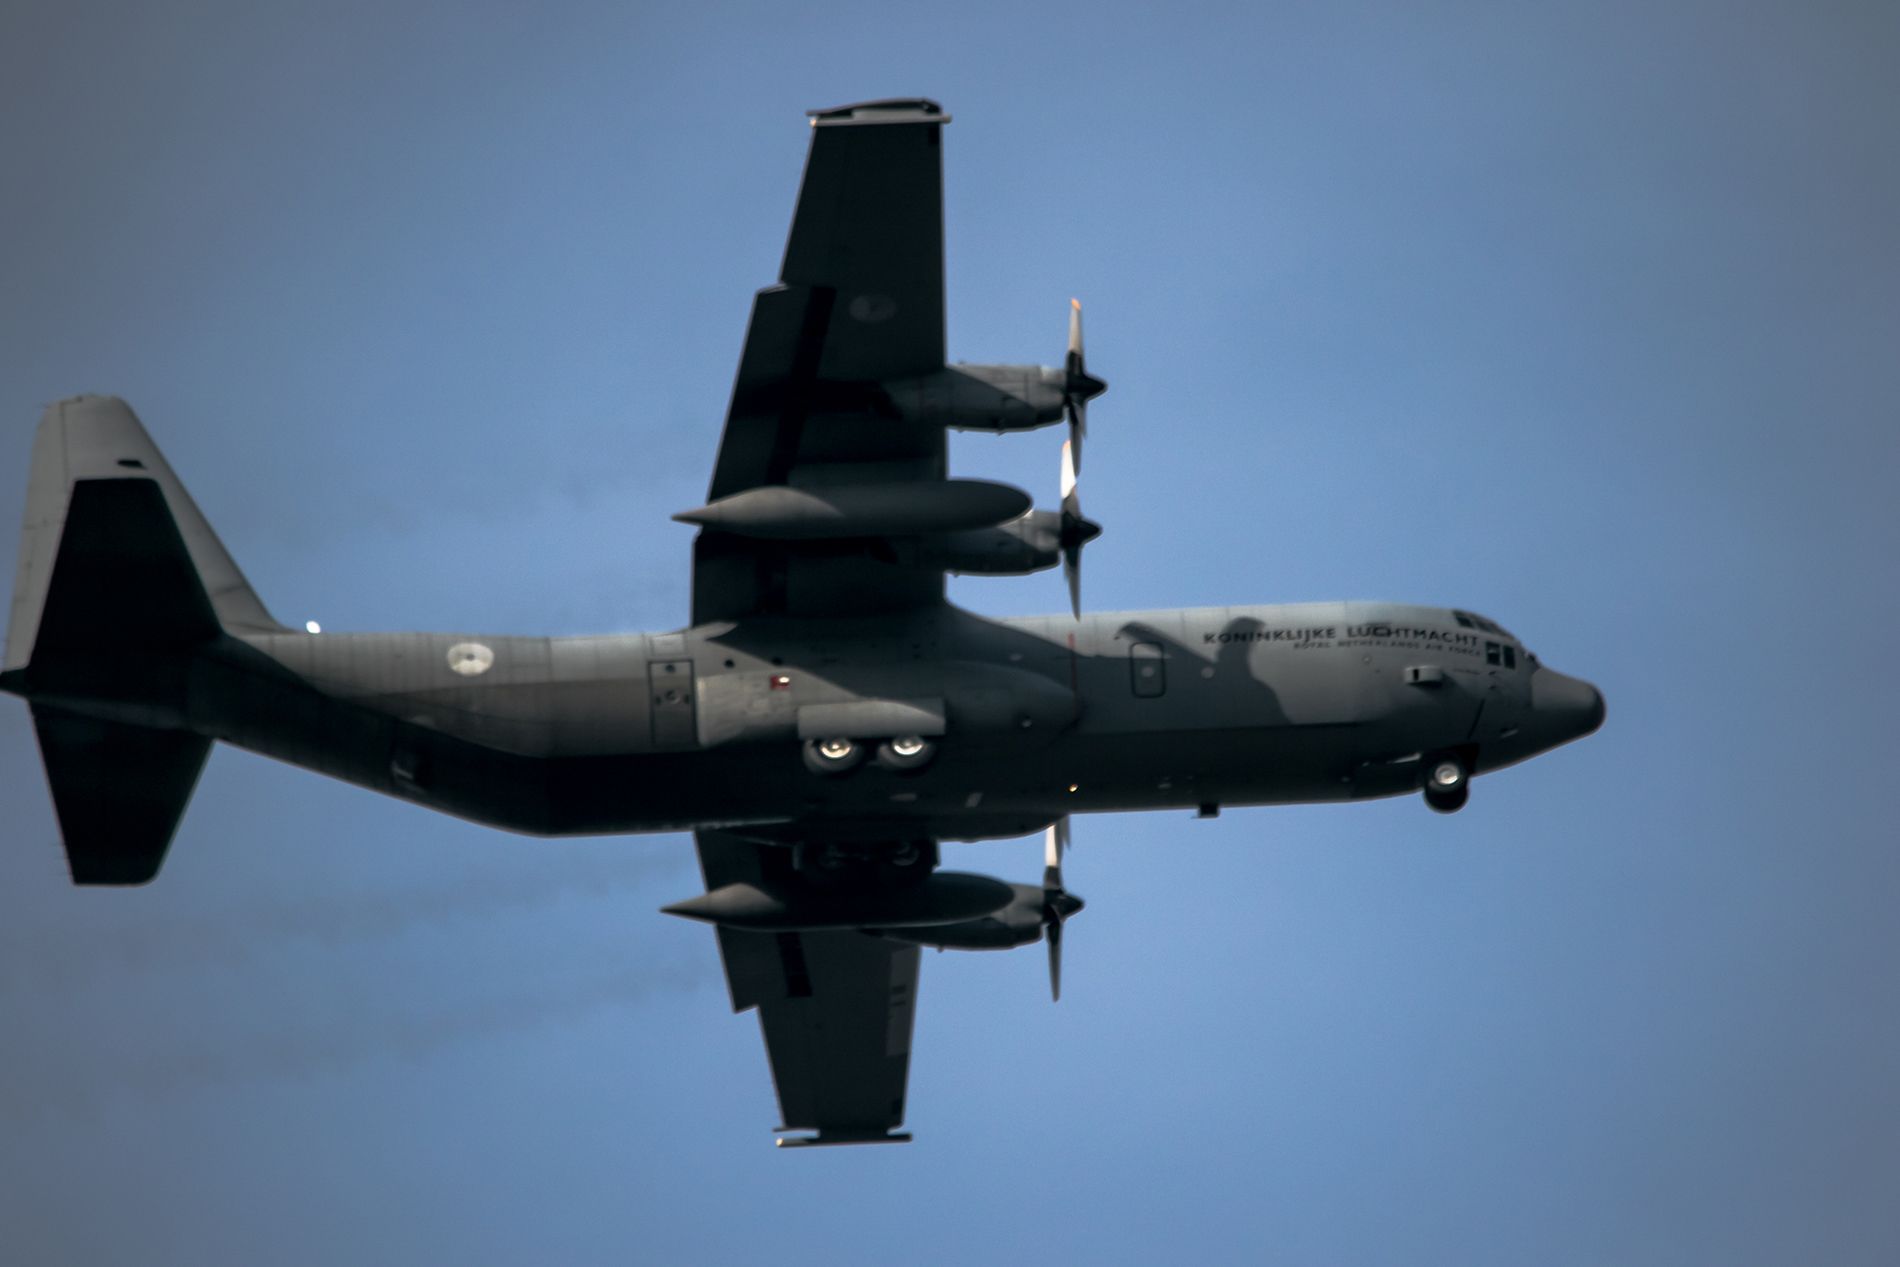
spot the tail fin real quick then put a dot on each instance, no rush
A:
(120, 579)
(93, 443)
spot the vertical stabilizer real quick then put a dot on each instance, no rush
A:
(98, 438)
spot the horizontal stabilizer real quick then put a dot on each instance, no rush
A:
(119, 791)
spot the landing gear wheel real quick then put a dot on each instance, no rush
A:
(1447, 784)
(906, 753)
(833, 756)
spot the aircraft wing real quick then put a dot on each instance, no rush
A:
(836, 1009)
(858, 307)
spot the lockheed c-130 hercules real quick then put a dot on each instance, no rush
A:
(827, 718)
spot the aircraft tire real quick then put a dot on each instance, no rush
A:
(906, 753)
(833, 756)
(1447, 783)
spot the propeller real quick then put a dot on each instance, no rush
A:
(1076, 530)
(1057, 903)
(1079, 386)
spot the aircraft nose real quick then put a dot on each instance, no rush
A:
(1566, 707)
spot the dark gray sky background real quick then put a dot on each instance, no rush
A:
(1585, 317)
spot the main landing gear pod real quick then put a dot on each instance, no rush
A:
(1447, 782)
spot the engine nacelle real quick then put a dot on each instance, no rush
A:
(981, 397)
(1017, 924)
(1031, 542)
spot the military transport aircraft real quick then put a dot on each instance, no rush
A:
(826, 718)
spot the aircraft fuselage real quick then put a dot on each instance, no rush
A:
(1039, 717)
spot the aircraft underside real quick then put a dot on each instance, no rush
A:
(966, 792)
(826, 717)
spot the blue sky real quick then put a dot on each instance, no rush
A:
(1583, 318)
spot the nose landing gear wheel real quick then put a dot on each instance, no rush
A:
(833, 756)
(1447, 784)
(905, 753)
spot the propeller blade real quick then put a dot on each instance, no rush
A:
(1078, 426)
(1079, 386)
(1054, 937)
(1071, 516)
(1077, 404)
(1077, 529)
(1057, 905)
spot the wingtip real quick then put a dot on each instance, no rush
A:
(825, 1138)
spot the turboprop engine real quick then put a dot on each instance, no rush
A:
(982, 397)
(1032, 914)
(950, 910)
(1016, 924)
(1004, 397)
(1031, 542)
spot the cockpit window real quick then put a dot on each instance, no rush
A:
(1471, 620)
(1502, 653)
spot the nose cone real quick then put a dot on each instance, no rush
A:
(1563, 707)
